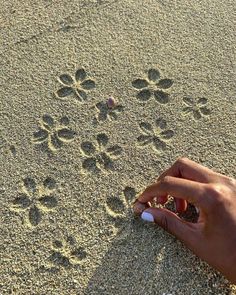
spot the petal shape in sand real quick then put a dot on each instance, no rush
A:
(140, 83)
(21, 202)
(88, 148)
(197, 115)
(88, 84)
(161, 96)
(54, 142)
(59, 259)
(129, 193)
(79, 253)
(161, 123)
(144, 139)
(167, 134)
(40, 136)
(34, 216)
(153, 75)
(66, 79)
(64, 91)
(113, 116)
(90, 164)
(29, 185)
(164, 83)
(114, 150)
(159, 145)
(64, 121)
(202, 101)
(115, 204)
(49, 183)
(102, 139)
(48, 121)
(189, 101)
(80, 75)
(144, 95)
(81, 95)
(187, 110)
(48, 202)
(146, 127)
(66, 134)
(205, 111)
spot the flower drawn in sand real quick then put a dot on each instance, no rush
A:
(104, 112)
(196, 107)
(78, 85)
(52, 133)
(35, 199)
(157, 135)
(67, 253)
(153, 85)
(119, 208)
(99, 155)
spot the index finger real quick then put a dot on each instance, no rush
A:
(188, 169)
(191, 191)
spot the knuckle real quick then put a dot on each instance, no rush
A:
(215, 194)
(166, 180)
(231, 182)
(182, 161)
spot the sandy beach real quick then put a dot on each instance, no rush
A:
(72, 165)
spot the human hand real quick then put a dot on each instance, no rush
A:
(213, 237)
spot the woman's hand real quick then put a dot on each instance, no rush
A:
(213, 237)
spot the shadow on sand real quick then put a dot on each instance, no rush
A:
(143, 259)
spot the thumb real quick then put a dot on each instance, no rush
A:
(170, 222)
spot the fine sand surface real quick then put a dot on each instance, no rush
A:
(70, 167)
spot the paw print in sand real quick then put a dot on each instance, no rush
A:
(77, 85)
(153, 85)
(35, 199)
(196, 107)
(66, 253)
(157, 135)
(99, 155)
(52, 133)
(119, 208)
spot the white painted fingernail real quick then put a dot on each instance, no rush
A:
(147, 217)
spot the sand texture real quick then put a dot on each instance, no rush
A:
(71, 166)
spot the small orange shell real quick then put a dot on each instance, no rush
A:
(138, 207)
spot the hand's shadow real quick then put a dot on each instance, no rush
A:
(143, 259)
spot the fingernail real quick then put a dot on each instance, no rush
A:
(138, 207)
(147, 216)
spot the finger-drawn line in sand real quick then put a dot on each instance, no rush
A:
(99, 155)
(63, 25)
(157, 135)
(3, 141)
(4, 144)
(53, 134)
(77, 85)
(66, 253)
(119, 207)
(35, 199)
(105, 112)
(196, 107)
(152, 85)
